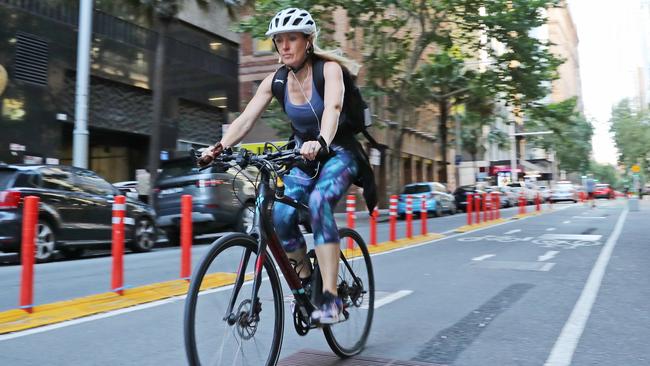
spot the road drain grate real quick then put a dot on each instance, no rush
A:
(310, 357)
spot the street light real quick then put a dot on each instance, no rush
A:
(513, 147)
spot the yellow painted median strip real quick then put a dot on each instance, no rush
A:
(17, 320)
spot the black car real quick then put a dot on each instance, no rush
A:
(460, 195)
(222, 197)
(75, 211)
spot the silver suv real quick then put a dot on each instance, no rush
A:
(222, 198)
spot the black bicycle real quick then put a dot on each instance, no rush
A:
(234, 311)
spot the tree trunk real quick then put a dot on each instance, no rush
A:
(158, 98)
(443, 106)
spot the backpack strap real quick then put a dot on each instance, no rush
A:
(319, 77)
(279, 85)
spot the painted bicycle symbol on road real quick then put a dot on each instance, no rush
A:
(543, 241)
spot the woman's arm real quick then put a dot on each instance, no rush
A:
(333, 99)
(333, 103)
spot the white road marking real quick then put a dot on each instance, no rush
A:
(528, 238)
(571, 237)
(546, 256)
(589, 217)
(513, 231)
(390, 298)
(565, 345)
(550, 229)
(486, 256)
(567, 222)
(547, 267)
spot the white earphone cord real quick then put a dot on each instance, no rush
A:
(313, 111)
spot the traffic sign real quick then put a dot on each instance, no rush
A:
(636, 168)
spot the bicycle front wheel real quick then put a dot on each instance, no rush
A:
(219, 328)
(356, 287)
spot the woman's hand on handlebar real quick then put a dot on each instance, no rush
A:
(310, 149)
(209, 154)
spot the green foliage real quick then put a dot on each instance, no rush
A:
(631, 129)
(605, 173)
(571, 138)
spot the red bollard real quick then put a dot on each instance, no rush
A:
(485, 205)
(186, 236)
(350, 208)
(423, 214)
(522, 204)
(477, 207)
(468, 208)
(538, 202)
(409, 216)
(392, 212)
(373, 226)
(117, 248)
(498, 207)
(27, 250)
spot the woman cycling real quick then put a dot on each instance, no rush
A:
(314, 120)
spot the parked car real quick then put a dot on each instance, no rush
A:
(127, 188)
(75, 211)
(563, 191)
(603, 190)
(222, 198)
(438, 200)
(544, 192)
(507, 197)
(460, 195)
(529, 190)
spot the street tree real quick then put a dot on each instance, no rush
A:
(571, 137)
(631, 129)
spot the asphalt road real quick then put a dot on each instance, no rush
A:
(568, 287)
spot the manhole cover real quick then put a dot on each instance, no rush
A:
(318, 358)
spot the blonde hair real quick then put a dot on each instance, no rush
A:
(335, 55)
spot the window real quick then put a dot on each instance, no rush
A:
(90, 182)
(263, 46)
(57, 178)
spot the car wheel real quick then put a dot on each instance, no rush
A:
(438, 211)
(72, 253)
(45, 241)
(453, 210)
(246, 219)
(144, 236)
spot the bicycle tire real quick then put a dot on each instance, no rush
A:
(208, 335)
(360, 305)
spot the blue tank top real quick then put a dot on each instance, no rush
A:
(302, 118)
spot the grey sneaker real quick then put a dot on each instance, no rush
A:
(330, 310)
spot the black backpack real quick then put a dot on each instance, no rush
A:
(355, 113)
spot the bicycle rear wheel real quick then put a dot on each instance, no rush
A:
(214, 336)
(356, 287)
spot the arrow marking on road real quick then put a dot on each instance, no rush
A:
(548, 255)
(512, 231)
(567, 222)
(550, 229)
(483, 257)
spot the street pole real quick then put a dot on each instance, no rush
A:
(80, 134)
(459, 146)
(513, 152)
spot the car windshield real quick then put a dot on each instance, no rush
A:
(420, 188)
(6, 176)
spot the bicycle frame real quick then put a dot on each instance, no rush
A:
(267, 237)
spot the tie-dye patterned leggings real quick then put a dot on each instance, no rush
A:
(321, 195)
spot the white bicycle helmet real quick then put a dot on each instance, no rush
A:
(291, 20)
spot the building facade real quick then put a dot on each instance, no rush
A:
(38, 43)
